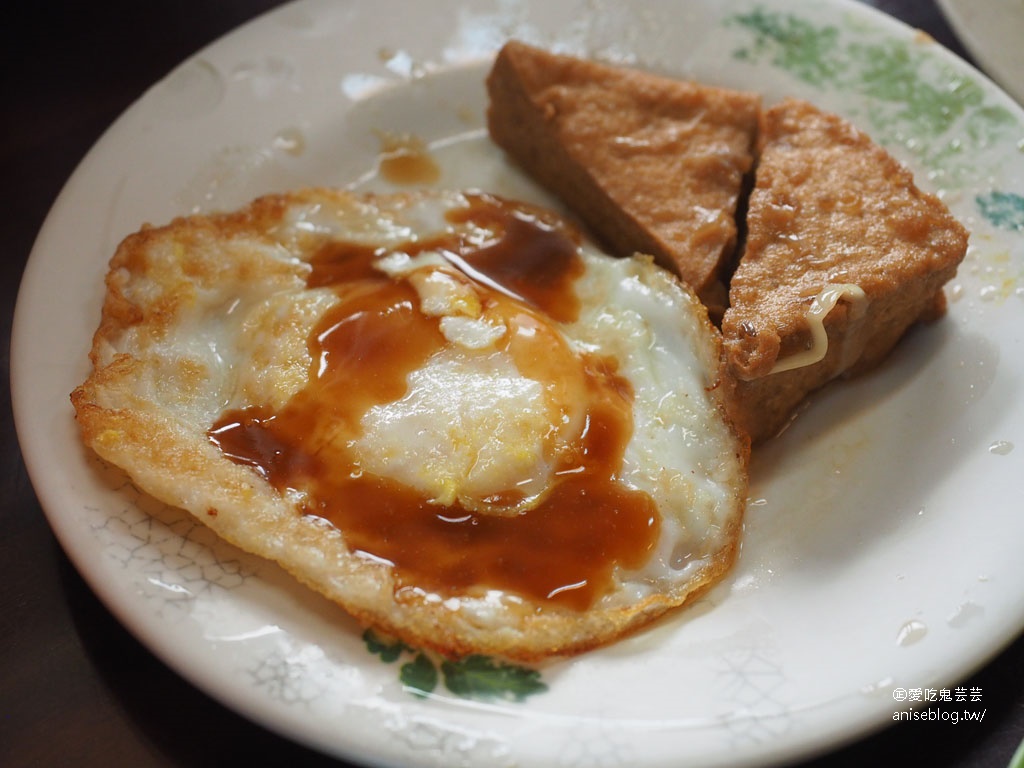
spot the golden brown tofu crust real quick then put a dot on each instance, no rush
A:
(829, 207)
(650, 164)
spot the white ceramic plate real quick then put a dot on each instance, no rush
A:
(882, 545)
(993, 32)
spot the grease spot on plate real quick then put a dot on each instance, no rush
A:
(964, 613)
(291, 141)
(883, 686)
(911, 632)
(1001, 447)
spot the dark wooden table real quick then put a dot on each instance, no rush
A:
(75, 688)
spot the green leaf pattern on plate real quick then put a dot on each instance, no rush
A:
(473, 677)
(1003, 209)
(792, 44)
(480, 677)
(388, 650)
(419, 676)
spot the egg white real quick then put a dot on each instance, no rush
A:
(209, 314)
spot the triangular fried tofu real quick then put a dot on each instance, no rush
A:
(832, 218)
(648, 163)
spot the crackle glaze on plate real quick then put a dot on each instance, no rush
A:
(992, 31)
(881, 547)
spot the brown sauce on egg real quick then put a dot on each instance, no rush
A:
(562, 550)
(534, 261)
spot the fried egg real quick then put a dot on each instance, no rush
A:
(447, 412)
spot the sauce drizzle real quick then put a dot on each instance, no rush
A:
(564, 549)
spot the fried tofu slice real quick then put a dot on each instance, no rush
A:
(650, 164)
(833, 219)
